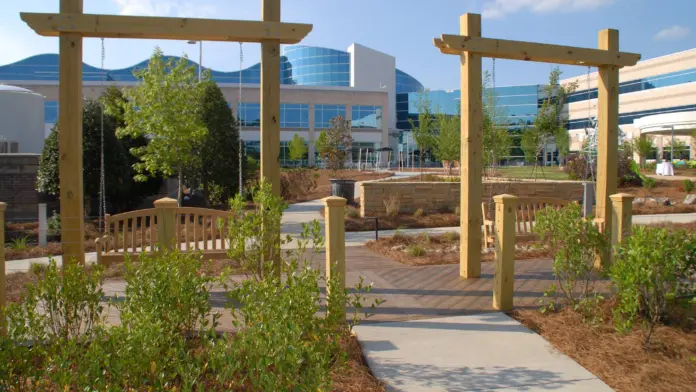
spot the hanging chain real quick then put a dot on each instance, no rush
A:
(239, 106)
(102, 175)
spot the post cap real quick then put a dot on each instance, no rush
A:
(3, 206)
(334, 201)
(622, 197)
(166, 202)
(505, 198)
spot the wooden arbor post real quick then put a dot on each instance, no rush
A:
(470, 46)
(71, 26)
(70, 140)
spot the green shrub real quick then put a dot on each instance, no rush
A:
(415, 250)
(418, 213)
(53, 224)
(649, 182)
(650, 166)
(688, 186)
(452, 236)
(19, 243)
(578, 242)
(651, 268)
(352, 212)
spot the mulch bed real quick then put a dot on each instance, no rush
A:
(323, 188)
(441, 249)
(402, 221)
(356, 376)
(673, 190)
(669, 364)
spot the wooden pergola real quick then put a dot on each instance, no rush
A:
(472, 47)
(71, 25)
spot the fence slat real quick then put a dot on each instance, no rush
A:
(195, 232)
(134, 244)
(177, 228)
(213, 230)
(204, 223)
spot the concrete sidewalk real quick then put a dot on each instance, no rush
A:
(489, 351)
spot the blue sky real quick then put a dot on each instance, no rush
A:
(402, 28)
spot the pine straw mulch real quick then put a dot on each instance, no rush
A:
(668, 365)
(441, 249)
(355, 376)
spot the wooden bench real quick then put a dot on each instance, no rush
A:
(135, 232)
(527, 209)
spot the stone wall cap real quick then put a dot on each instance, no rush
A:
(621, 196)
(334, 201)
(166, 202)
(3, 206)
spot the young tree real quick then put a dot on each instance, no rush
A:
(165, 106)
(217, 166)
(447, 142)
(334, 144)
(642, 146)
(298, 148)
(549, 122)
(496, 138)
(424, 132)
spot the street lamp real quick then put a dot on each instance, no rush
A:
(200, 56)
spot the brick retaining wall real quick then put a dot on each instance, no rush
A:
(444, 196)
(18, 186)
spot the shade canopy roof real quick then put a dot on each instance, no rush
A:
(681, 123)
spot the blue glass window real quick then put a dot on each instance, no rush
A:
(664, 80)
(366, 116)
(249, 114)
(50, 111)
(627, 118)
(324, 113)
(294, 115)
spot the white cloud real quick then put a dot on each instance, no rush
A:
(672, 32)
(493, 9)
(180, 8)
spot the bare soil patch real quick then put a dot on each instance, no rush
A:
(441, 249)
(669, 365)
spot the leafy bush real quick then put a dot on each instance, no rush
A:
(418, 213)
(415, 250)
(691, 164)
(254, 235)
(578, 242)
(649, 183)
(352, 212)
(688, 186)
(628, 170)
(392, 205)
(651, 166)
(53, 224)
(452, 236)
(651, 268)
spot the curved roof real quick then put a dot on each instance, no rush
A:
(300, 65)
(8, 88)
(681, 123)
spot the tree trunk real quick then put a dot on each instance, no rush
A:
(180, 189)
(420, 162)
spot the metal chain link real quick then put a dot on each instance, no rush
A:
(102, 174)
(239, 106)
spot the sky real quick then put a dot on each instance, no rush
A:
(401, 28)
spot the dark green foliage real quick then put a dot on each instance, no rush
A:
(651, 269)
(120, 192)
(218, 168)
(688, 186)
(578, 242)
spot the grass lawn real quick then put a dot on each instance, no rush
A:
(530, 172)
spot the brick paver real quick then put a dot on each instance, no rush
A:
(412, 292)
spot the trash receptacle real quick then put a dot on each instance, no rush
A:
(344, 189)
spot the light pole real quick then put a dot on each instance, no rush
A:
(200, 57)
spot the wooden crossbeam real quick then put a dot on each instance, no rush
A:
(123, 26)
(530, 51)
